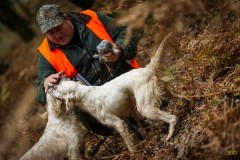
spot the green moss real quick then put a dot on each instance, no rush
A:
(5, 93)
(217, 56)
(205, 53)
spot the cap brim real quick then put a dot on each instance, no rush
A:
(58, 21)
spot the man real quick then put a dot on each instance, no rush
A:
(70, 48)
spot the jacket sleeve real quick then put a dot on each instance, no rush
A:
(45, 69)
(118, 34)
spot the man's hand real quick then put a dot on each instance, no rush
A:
(112, 57)
(51, 80)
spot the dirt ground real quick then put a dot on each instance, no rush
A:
(204, 62)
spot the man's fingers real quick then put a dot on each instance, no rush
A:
(51, 80)
(60, 73)
(111, 57)
(46, 89)
(107, 59)
(57, 75)
(108, 54)
(48, 85)
(54, 80)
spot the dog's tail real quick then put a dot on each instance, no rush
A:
(157, 60)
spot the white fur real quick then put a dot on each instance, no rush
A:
(114, 101)
(61, 138)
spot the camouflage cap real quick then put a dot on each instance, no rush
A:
(49, 16)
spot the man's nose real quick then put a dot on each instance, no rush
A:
(58, 34)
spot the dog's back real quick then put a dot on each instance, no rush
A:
(141, 79)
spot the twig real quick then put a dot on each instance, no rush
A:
(116, 155)
(214, 94)
(108, 68)
(101, 142)
(229, 75)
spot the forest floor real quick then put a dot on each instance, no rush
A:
(204, 61)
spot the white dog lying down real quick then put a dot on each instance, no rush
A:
(62, 136)
(114, 101)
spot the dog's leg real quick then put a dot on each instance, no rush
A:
(73, 150)
(156, 114)
(128, 136)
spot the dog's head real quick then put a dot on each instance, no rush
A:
(65, 91)
(55, 106)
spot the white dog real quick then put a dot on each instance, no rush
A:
(62, 136)
(114, 101)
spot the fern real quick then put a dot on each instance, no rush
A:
(5, 93)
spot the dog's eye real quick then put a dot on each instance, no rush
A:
(60, 99)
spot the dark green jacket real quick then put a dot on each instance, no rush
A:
(83, 55)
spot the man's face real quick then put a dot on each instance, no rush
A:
(61, 34)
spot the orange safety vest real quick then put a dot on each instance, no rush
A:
(58, 59)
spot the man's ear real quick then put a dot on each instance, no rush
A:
(66, 16)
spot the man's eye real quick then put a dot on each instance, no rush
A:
(51, 33)
(58, 28)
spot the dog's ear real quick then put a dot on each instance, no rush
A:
(57, 106)
(70, 103)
